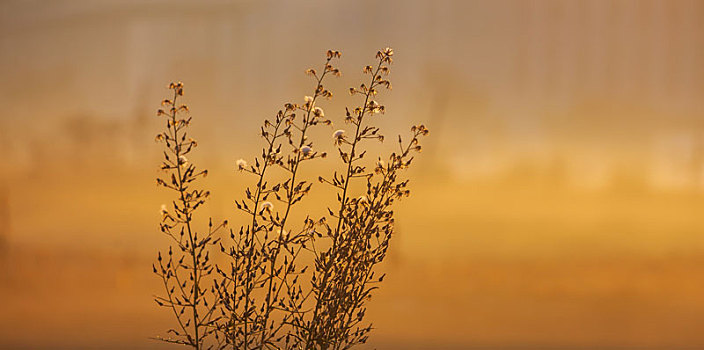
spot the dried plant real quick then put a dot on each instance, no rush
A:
(344, 274)
(186, 268)
(264, 253)
(284, 287)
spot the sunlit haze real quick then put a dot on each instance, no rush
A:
(557, 203)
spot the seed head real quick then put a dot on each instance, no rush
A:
(268, 206)
(374, 107)
(241, 164)
(338, 136)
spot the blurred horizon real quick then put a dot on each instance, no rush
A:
(556, 203)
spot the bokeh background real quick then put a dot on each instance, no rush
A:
(558, 203)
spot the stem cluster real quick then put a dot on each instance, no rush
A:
(285, 286)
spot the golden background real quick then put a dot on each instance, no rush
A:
(558, 203)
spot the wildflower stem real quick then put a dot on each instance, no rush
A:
(289, 204)
(322, 287)
(249, 284)
(196, 274)
(186, 210)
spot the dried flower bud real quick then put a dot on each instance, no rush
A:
(268, 206)
(374, 107)
(241, 164)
